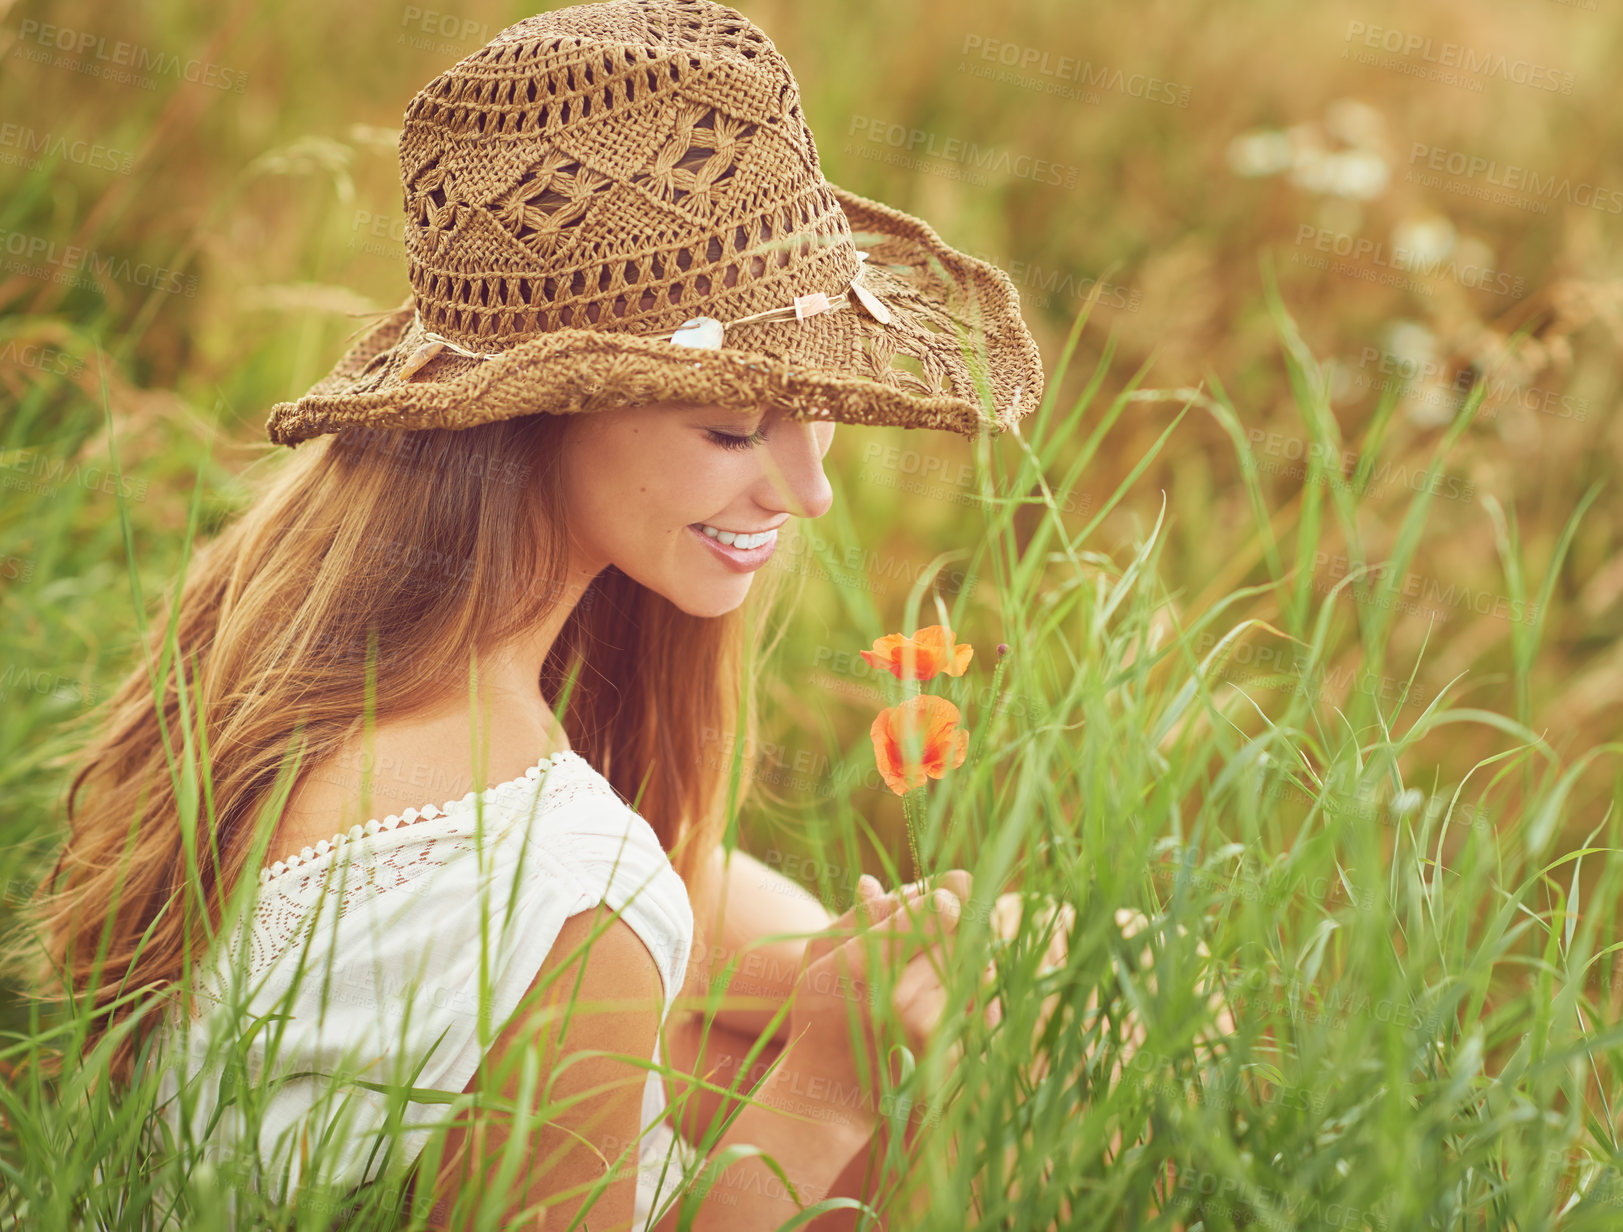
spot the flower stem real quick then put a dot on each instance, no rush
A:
(911, 805)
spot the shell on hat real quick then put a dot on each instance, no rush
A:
(604, 172)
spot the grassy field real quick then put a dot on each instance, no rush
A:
(1310, 567)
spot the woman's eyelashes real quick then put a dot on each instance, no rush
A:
(730, 440)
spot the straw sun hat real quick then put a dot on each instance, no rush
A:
(621, 203)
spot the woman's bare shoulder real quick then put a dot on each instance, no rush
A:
(408, 763)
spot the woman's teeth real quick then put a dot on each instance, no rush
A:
(744, 542)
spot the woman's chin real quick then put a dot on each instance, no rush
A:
(711, 599)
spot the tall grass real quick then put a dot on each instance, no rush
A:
(1417, 969)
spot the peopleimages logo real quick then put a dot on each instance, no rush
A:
(1358, 249)
(1432, 378)
(1513, 179)
(118, 59)
(73, 265)
(31, 146)
(1459, 56)
(41, 358)
(1039, 68)
(1039, 284)
(914, 143)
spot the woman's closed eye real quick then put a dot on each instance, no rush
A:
(731, 440)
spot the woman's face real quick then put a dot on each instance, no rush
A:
(642, 484)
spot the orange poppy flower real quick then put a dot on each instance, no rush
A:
(945, 744)
(933, 651)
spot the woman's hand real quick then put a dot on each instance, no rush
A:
(1054, 922)
(753, 922)
(832, 1061)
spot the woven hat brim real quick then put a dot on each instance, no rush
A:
(976, 370)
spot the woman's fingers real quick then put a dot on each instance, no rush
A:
(873, 906)
(992, 1015)
(920, 988)
(1131, 924)
(921, 922)
(903, 943)
(870, 896)
(957, 880)
(901, 930)
(903, 924)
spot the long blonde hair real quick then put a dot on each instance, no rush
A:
(397, 552)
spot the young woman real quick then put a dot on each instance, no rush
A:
(456, 699)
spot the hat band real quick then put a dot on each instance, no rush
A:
(705, 333)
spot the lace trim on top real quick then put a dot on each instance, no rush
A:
(489, 795)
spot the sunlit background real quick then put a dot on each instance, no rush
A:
(1416, 207)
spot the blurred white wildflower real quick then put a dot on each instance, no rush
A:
(1359, 174)
(1411, 345)
(1413, 349)
(1355, 171)
(1355, 122)
(1424, 238)
(1262, 151)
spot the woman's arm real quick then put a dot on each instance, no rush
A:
(822, 1158)
(816, 1113)
(716, 1055)
(737, 904)
(591, 1109)
(591, 996)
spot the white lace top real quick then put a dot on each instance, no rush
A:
(389, 920)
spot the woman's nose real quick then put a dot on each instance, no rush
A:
(792, 463)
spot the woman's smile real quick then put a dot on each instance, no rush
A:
(745, 554)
